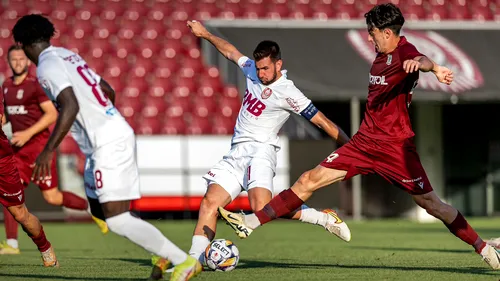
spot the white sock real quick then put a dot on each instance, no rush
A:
(251, 220)
(147, 236)
(312, 216)
(13, 243)
(198, 246)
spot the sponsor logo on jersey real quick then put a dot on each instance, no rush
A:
(389, 60)
(377, 80)
(266, 93)
(467, 74)
(16, 110)
(293, 104)
(413, 180)
(20, 94)
(253, 104)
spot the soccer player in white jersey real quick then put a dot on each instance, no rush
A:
(82, 98)
(250, 165)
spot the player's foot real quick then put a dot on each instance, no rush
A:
(49, 258)
(494, 242)
(103, 226)
(491, 256)
(337, 226)
(186, 270)
(6, 249)
(237, 222)
(160, 265)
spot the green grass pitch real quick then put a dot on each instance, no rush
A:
(379, 250)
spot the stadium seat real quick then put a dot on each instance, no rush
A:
(100, 48)
(61, 26)
(148, 48)
(254, 11)
(203, 106)
(183, 11)
(437, 13)
(87, 10)
(68, 146)
(77, 46)
(277, 11)
(481, 13)
(63, 10)
(116, 83)
(185, 86)
(173, 126)
(14, 11)
(116, 67)
(135, 11)
(141, 67)
(193, 63)
(128, 107)
(301, 11)
(125, 47)
(348, 11)
(414, 12)
(229, 107)
(459, 12)
(136, 86)
(231, 11)
(117, 7)
(166, 68)
(199, 126)
(148, 126)
(171, 49)
(81, 30)
(323, 11)
(97, 64)
(153, 30)
(206, 11)
(132, 121)
(231, 92)
(161, 86)
(38, 8)
(223, 125)
(160, 11)
(153, 106)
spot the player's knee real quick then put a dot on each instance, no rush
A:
(20, 213)
(306, 181)
(209, 206)
(258, 205)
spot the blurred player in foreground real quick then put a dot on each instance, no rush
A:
(12, 198)
(250, 165)
(30, 113)
(82, 98)
(384, 143)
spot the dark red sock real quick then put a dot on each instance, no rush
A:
(10, 224)
(72, 201)
(40, 240)
(284, 203)
(461, 229)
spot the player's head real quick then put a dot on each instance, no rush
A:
(33, 32)
(267, 56)
(17, 59)
(384, 22)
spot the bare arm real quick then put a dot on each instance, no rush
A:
(424, 64)
(225, 48)
(48, 118)
(108, 90)
(334, 131)
(4, 120)
(68, 110)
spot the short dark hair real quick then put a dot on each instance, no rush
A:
(266, 49)
(14, 47)
(385, 16)
(34, 28)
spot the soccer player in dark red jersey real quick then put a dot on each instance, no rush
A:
(12, 198)
(30, 113)
(384, 143)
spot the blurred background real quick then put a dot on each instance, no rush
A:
(182, 98)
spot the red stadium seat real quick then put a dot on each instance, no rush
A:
(348, 11)
(81, 30)
(176, 27)
(178, 106)
(63, 10)
(100, 48)
(38, 8)
(77, 46)
(183, 12)
(135, 11)
(195, 64)
(97, 64)
(323, 11)
(437, 13)
(116, 83)
(254, 11)
(166, 68)
(223, 125)
(171, 49)
(160, 11)
(160, 87)
(414, 12)
(301, 11)
(231, 11)
(132, 121)
(154, 106)
(141, 67)
(153, 30)
(459, 12)
(87, 10)
(207, 92)
(6, 27)
(61, 26)
(203, 107)
(149, 126)
(278, 11)
(125, 47)
(117, 7)
(231, 92)
(206, 11)
(173, 126)
(129, 30)
(15, 10)
(185, 86)
(199, 126)
(481, 13)
(229, 107)
(136, 86)
(68, 146)
(116, 67)
(128, 107)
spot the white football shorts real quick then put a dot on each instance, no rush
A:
(245, 166)
(111, 172)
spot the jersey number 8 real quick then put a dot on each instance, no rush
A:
(89, 78)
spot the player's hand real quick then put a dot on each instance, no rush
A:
(443, 74)
(21, 138)
(41, 171)
(411, 66)
(197, 28)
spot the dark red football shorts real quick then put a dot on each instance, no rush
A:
(396, 161)
(25, 158)
(11, 188)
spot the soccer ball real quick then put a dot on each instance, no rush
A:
(222, 255)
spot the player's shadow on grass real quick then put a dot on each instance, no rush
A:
(464, 251)
(141, 262)
(249, 264)
(58, 277)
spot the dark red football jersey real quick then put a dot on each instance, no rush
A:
(22, 103)
(5, 148)
(389, 95)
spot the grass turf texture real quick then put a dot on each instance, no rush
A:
(379, 250)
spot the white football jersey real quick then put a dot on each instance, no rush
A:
(266, 108)
(98, 120)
